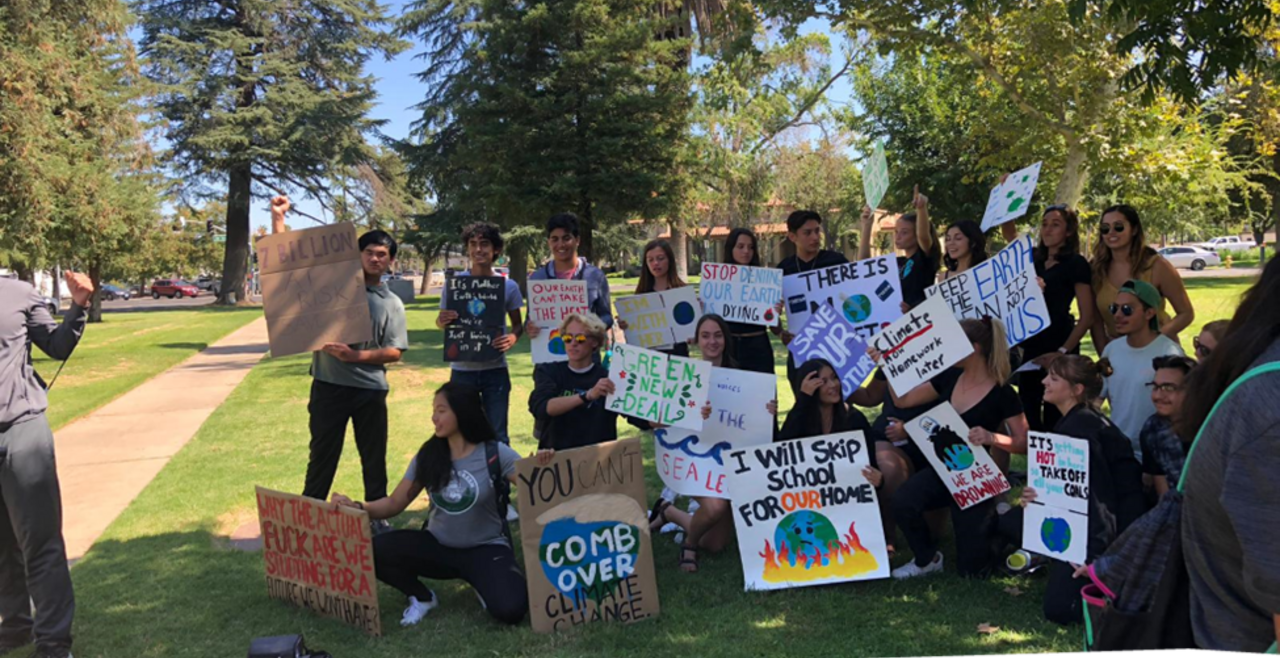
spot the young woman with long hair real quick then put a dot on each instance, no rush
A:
(464, 538)
(752, 348)
(913, 236)
(658, 274)
(964, 246)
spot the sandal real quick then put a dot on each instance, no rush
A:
(688, 565)
(658, 514)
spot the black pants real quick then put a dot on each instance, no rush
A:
(1062, 603)
(33, 556)
(403, 556)
(754, 352)
(331, 407)
(973, 528)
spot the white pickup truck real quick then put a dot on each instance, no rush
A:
(1228, 243)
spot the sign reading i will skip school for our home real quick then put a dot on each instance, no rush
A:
(739, 293)
(650, 385)
(1003, 287)
(480, 302)
(868, 293)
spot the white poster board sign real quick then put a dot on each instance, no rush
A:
(550, 301)
(868, 293)
(739, 293)
(651, 385)
(659, 319)
(1056, 523)
(922, 343)
(967, 471)
(1003, 287)
(875, 177)
(1010, 199)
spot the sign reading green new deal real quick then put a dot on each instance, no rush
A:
(875, 177)
(659, 387)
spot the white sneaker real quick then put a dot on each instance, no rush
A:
(679, 539)
(911, 570)
(668, 495)
(669, 528)
(693, 505)
(512, 515)
(418, 609)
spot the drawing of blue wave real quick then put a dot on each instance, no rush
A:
(686, 444)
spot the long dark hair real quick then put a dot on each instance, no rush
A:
(1255, 326)
(809, 421)
(646, 277)
(1141, 257)
(732, 241)
(435, 464)
(934, 255)
(726, 359)
(1071, 245)
(977, 243)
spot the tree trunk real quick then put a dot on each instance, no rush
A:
(426, 274)
(55, 276)
(95, 301)
(235, 263)
(1075, 172)
(519, 266)
(680, 249)
(586, 247)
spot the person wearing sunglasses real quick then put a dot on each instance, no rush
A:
(1137, 322)
(568, 396)
(1210, 335)
(1122, 254)
(1163, 453)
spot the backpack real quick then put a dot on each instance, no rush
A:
(501, 488)
(1139, 596)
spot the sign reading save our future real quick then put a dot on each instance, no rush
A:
(739, 293)
(650, 385)
(829, 336)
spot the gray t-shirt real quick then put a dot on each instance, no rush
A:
(389, 330)
(465, 513)
(515, 302)
(1231, 518)
(1127, 389)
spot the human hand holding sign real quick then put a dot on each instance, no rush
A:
(601, 389)
(504, 342)
(873, 475)
(80, 286)
(339, 351)
(279, 206)
(980, 437)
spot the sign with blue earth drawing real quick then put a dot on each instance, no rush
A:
(875, 177)
(481, 303)
(805, 514)
(1055, 533)
(584, 529)
(1056, 524)
(868, 293)
(659, 319)
(693, 463)
(1010, 199)
(967, 470)
(550, 302)
(739, 293)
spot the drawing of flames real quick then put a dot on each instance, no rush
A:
(808, 548)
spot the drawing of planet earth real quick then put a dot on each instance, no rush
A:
(805, 532)
(475, 307)
(683, 313)
(555, 344)
(1056, 534)
(857, 309)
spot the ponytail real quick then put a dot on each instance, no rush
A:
(1080, 370)
(989, 335)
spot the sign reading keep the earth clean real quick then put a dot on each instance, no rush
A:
(651, 385)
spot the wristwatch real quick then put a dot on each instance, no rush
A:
(584, 399)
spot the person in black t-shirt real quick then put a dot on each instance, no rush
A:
(913, 234)
(569, 396)
(804, 230)
(752, 349)
(1065, 276)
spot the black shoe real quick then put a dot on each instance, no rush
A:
(380, 527)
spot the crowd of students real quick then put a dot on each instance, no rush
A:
(1121, 297)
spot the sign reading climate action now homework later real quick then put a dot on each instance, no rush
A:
(922, 343)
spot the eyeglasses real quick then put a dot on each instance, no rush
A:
(1202, 350)
(1127, 309)
(575, 338)
(1118, 227)
(1164, 388)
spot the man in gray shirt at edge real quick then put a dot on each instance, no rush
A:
(33, 556)
(349, 382)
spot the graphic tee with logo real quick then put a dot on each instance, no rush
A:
(465, 512)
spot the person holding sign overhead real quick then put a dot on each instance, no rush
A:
(490, 378)
(986, 404)
(751, 348)
(569, 396)
(658, 274)
(913, 235)
(465, 472)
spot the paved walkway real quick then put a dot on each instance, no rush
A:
(108, 457)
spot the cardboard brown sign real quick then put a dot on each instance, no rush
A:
(587, 550)
(313, 289)
(319, 556)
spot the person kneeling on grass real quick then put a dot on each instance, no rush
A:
(465, 537)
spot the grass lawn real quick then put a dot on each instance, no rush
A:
(126, 349)
(162, 582)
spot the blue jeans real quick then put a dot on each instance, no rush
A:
(495, 392)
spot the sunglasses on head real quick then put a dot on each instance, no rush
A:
(1202, 350)
(1127, 309)
(1164, 388)
(1106, 228)
(1057, 206)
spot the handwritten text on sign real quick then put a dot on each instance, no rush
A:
(480, 302)
(660, 319)
(805, 514)
(654, 386)
(829, 336)
(1058, 469)
(319, 556)
(741, 294)
(868, 293)
(1004, 287)
(549, 303)
(693, 463)
(968, 471)
(923, 343)
(585, 532)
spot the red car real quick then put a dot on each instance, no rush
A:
(173, 288)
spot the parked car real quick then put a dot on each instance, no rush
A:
(112, 292)
(50, 303)
(209, 284)
(1229, 242)
(173, 289)
(1195, 258)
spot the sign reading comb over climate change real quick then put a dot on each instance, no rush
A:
(313, 289)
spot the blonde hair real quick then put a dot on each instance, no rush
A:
(988, 334)
(593, 323)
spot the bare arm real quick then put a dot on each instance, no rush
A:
(1088, 308)
(376, 357)
(1099, 333)
(920, 395)
(864, 233)
(1009, 231)
(385, 508)
(1171, 287)
(924, 229)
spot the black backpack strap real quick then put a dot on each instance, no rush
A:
(501, 488)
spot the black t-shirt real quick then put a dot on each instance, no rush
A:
(1059, 294)
(825, 258)
(584, 426)
(918, 272)
(1000, 403)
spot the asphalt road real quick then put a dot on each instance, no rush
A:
(146, 303)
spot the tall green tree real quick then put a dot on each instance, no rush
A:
(271, 92)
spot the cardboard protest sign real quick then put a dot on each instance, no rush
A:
(1010, 199)
(923, 343)
(805, 514)
(654, 386)
(875, 177)
(1003, 287)
(1058, 469)
(739, 293)
(868, 293)
(549, 303)
(693, 463)
(481, 303)
(659, 319)
(828, 335)
(313, 289)
(319, 556)
(585, 531)
(1055, 533)
(968, 472)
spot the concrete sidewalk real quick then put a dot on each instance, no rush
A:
(108, 457)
